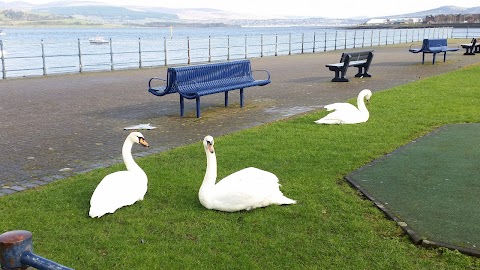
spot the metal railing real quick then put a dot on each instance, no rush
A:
(16, 252)
(52, 58)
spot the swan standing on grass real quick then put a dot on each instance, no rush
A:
(243, 190)
(121, 188)
(346, 113)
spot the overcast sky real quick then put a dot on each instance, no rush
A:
(311, 8)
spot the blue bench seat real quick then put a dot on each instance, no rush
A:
(434, 46)
(193, 82)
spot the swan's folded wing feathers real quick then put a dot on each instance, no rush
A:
(347, 107)
(116, 189)
(246, 189)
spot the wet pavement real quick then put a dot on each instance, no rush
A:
(57, 126)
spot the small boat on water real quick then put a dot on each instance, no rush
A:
(2, 33)
(98, 40)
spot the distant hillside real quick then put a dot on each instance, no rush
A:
(438, 11)
(108, 13)
(95, 12)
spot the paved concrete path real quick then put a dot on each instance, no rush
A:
(56, 126)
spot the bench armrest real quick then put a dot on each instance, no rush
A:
(414, 50)
(260, 70)
(453, 46)
(158, 91)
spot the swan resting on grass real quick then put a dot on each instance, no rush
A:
(121, 188)
(346, 113)
(246, 189)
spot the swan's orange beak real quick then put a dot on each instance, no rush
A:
(143, 142)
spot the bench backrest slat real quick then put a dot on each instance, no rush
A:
(355, 56)
(186, 76)
(437, 42)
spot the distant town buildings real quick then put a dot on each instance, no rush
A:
(431, 19)
(453, 18)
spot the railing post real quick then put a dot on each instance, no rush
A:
(290, 44)
(228, 47)
(303, 35)
(335, 47)
(379, 36)
(355, 38)
(313, 42)
(363, 38)
(111, 55)
(80, 65)
(246, 47)
(276, 44)
(209, 49)
(371, 39)
(16, 252)
(386, 38)
(43, 60)
(325, 42)
(345, 41)
(139, 53)
(165, 49)
(2, 57)
(261, 45)
(188, 50)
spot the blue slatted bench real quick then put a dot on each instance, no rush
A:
(434, 46)
(192, 82)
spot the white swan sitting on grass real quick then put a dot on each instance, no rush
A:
(121, 188)
(243, 190)
(346, 113)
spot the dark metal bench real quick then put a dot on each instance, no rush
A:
(361, 60)
(470, 47)
(434, 46)
(192, 82)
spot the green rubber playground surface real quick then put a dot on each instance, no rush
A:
(431, 187)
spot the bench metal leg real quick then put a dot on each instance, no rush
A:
(469, 51)
(359, 73)
(423, 58)
(241, 98)
(226, 99)
(362, 73)
(182, 107)
(339, 76)
(444, 56)
(197, 101)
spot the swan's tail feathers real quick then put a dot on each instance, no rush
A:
(284, 200)
(94, 213)
(97, 211)
(328, 121)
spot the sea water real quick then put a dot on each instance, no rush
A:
(42, 51)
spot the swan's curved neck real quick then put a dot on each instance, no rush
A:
(211, 172)
(127, 156)
(361, 104)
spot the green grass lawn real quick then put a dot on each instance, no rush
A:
(331, 227)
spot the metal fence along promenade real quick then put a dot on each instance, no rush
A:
(72, 57)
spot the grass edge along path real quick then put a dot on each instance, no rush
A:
(331, 227)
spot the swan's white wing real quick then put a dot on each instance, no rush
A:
(346, 107)
(247, 189)
(342, 113)
(116, 190)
